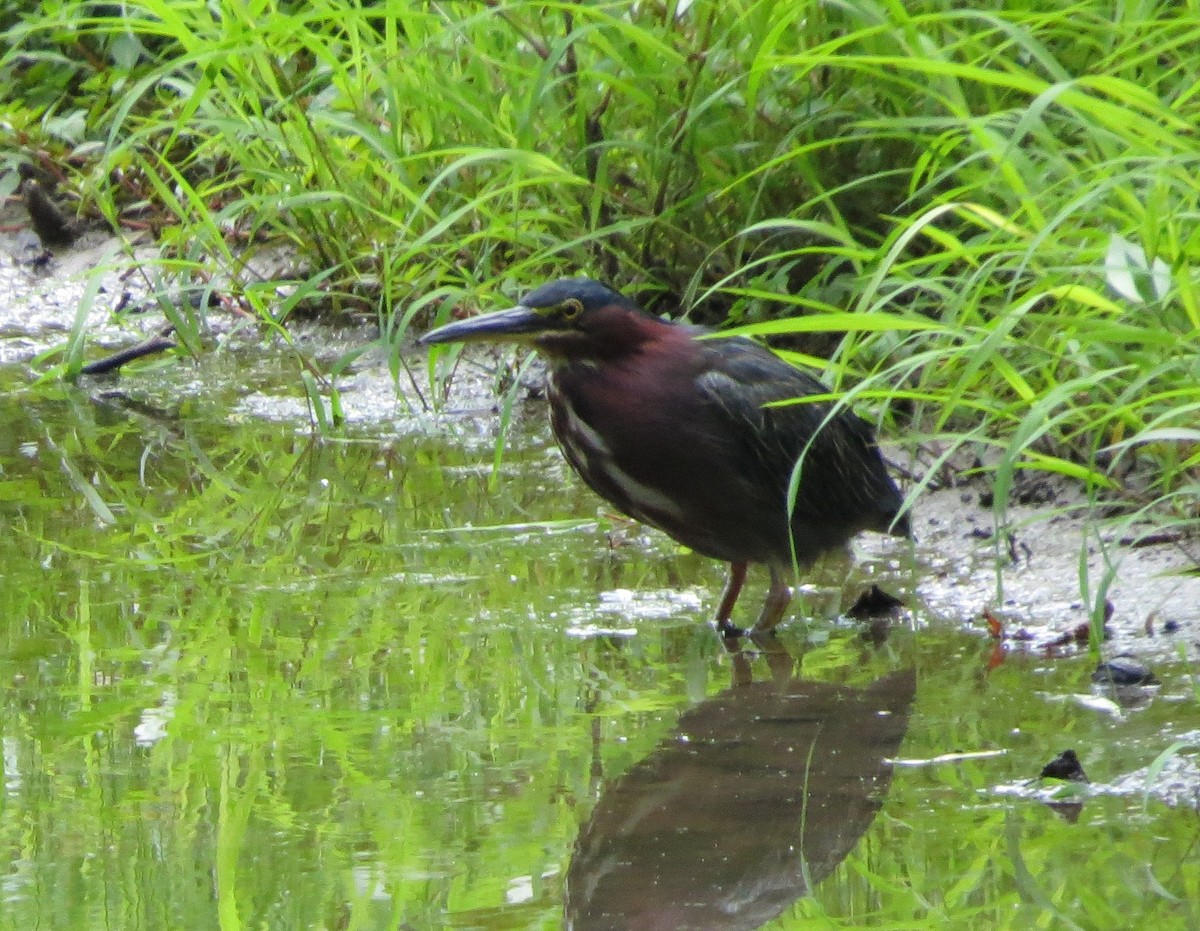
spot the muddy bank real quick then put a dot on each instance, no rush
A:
(1034, 577)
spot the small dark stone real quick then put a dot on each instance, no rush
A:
(41, 261)
(874, 602)
(1033, 490)
(1124, 670)
(1027, 488)
(1079, 634)
(1065, 766)
(1171, 627)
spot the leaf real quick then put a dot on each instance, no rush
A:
(70, 127)
(1160, 435)
(836, 322)
(1132, 275)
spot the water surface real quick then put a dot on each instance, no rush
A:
(251, 679)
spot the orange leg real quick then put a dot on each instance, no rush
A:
(729, 597)
(779, 596)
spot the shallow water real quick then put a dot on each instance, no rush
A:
(251, 679)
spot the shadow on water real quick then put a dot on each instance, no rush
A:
(754, 798)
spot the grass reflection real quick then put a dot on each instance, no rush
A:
(287, 686)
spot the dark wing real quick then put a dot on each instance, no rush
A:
(844, 485)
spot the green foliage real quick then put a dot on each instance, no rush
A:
(1025, 178)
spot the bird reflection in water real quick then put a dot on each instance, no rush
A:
(753, 799)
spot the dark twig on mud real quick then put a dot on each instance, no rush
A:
(159, 342)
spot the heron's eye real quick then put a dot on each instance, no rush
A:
(572, 307)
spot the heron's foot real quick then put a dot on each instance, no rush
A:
(729, 631)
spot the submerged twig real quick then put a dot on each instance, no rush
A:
(158, 342)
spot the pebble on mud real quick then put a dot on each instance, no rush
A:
(1124, 670)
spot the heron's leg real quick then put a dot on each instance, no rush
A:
(729, 597)
(779, 596)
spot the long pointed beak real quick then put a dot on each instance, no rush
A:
(514, 325)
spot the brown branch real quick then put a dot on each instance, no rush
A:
(158, 342)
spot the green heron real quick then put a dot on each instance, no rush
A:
(675, 432)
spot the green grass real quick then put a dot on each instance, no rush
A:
(1024, 180)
